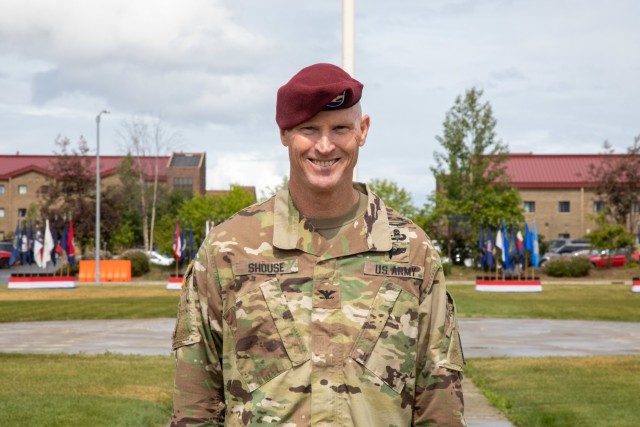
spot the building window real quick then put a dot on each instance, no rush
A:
(635, 208)
(1, 189)
(563, 235)
(1, 212)
(22, 212)
(183, 184)
(564, 206)
(529, 207)
(598, 206)
(22, 189)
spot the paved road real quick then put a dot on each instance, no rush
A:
(480, 337)
(541, 337)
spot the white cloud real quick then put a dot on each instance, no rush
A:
(251, 168)
(560, 76)
(154, 32)
(190, 60)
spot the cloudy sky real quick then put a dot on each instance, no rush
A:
(562, 76)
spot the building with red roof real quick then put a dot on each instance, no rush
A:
(558, 192)
(23, 176)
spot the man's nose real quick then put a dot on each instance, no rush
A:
(324, 143)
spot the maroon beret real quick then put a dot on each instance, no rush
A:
(315, 88)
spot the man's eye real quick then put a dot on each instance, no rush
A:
(307, 129)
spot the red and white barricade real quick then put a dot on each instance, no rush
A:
(175, 282)
(42, 282)
(508, 285)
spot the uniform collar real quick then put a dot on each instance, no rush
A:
(370, 232)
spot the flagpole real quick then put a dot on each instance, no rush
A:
(349, 44)
(98, 195)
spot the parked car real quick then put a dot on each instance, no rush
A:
(567, 249)
(460, 255)
(6, 246)
(159, 259)
(5, 257)
(607, 258)
(5, 254)
(556, 244)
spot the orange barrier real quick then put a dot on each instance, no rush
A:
(111, 270)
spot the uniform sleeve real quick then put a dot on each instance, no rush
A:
(198, 395)
(439, 400)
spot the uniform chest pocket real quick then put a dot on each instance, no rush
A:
(267, 340)
(387, 343)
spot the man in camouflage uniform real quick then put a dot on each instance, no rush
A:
(320, 306)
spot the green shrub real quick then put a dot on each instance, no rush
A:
(139, 262)
(91, 255)
(572, 266)
(446, 268)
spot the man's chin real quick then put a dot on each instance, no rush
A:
(326, 185)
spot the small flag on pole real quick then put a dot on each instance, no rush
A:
(183, 244)
(24, 245)
(177, 249)
(535, 256)
(37, 247)
(47, 245)
(190, 240)
(15, 250)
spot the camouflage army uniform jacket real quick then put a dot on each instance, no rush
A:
(278, 326)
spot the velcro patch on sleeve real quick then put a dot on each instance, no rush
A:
(393, 270)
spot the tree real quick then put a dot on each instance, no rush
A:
(472, 186)
(617, 180)
(129, 231)
(70, 192)
(393, 195)
(147, 138)
(200, 209)
(611, 236)
(270, 191)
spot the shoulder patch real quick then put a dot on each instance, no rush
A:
(400, 243)
(188, 322)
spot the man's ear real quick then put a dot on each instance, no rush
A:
(365, 122)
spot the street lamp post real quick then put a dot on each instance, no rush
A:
(98, 195)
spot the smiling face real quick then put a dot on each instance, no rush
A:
(323, 151)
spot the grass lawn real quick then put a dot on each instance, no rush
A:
(88, 302)
(562, 391)
(584, 302)
(116, 390)
(82, 390)
(137, 301)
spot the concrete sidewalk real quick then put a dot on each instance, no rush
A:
(480, 338)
